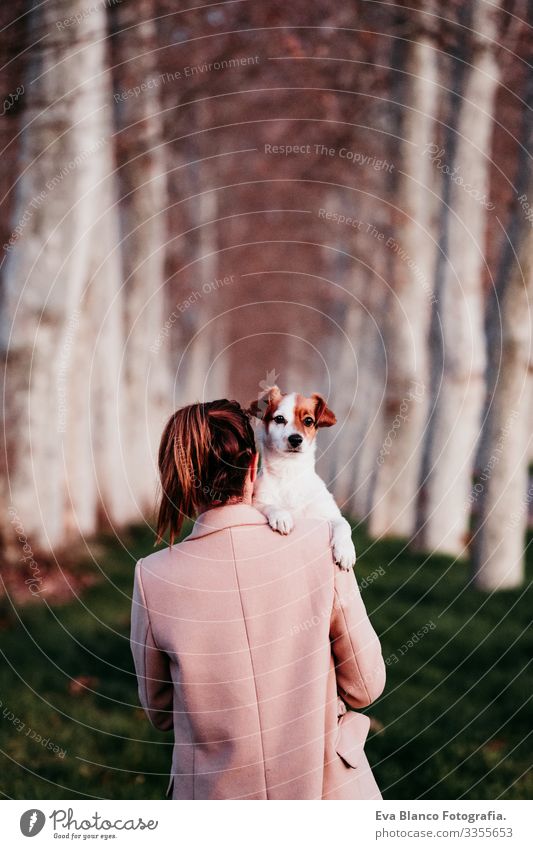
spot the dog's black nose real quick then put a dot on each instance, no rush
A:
(295, 440)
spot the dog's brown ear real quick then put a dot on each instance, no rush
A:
(259, 406)
(323, 415)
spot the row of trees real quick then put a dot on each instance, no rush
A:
(470, 421)
(334, 196)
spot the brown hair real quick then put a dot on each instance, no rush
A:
(204, 455)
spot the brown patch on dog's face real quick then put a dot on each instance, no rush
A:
(324, 416)
(305, 416)
(312, 413)
(265, 406)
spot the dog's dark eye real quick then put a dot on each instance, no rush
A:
(279, 420)
(308, 421)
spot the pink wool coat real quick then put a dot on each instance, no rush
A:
(242, 639)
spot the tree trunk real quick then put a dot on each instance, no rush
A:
(340, 458)
(499, 533)
(459, 397)
(196, 358)
(355, 364)
(357, 386)
(504, 492)
(408, 309)
(65, 150)
(147, 399)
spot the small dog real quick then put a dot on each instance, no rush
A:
(287, 484)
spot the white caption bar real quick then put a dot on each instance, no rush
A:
(267, 825)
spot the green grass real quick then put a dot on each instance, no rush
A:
(453, 722)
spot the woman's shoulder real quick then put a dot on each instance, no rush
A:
(163, 559)
(315, 530)
(155, 562)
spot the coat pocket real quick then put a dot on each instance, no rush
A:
(351, 737)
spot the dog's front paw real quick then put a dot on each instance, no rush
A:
(344, 554)
(281, 521)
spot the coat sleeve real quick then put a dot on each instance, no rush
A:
(359, 666)
(152, 666)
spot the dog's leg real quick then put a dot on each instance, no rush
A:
(279, 519)
(341, 542)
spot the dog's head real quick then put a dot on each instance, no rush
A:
(289, 422)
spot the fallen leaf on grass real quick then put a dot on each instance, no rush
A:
(82, 684)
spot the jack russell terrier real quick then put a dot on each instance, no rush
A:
(287, 485)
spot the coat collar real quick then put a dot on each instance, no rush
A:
(226, 516)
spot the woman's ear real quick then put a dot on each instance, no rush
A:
(253, 467)
(323, 415)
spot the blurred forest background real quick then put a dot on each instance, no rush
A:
(199, 202)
